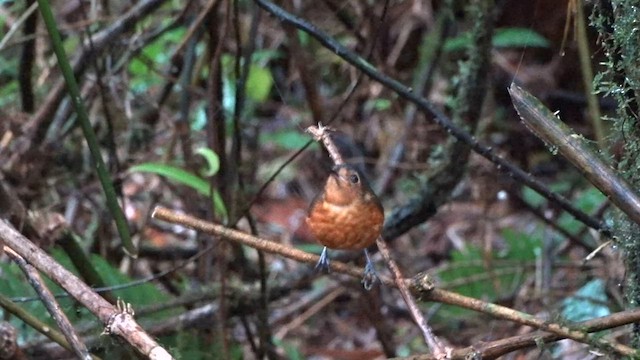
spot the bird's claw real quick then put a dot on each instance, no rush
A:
(370, 275)
(323, 262)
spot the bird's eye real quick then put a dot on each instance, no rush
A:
(354, 178)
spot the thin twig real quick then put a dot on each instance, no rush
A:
(421, 285)
(571, 332)
(321, 133)
(255, 242)
(331, 118)
(39, 123)
(436, 346)
(49, 301)
(129, 330)
(584, 54)
(426, 106)
(495, 349)
(556, 134)
(17, 24)
(35, 323)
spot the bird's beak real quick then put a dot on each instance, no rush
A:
(334, 172)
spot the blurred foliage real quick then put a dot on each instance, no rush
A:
(617, 25)
(587, 200)
(519, 248)
(13, 285)
(275, 97)
(285, 139)
(587, 303)
(191, 344)
(292, 351)
(143, 68)
(503, 38)
(468, 266)
(184, 177)
(259, 81)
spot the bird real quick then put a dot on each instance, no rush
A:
(346, 214)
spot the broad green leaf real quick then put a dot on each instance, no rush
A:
(468, 264)
(259, 83)
(532, 198)
(139, 295)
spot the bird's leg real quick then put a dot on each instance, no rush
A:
(370, 275)
(323, 262)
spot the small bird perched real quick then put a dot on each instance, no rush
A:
(346, 214)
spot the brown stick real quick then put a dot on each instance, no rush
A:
(420, 285)
(118, 322)
(49, 301)
(268, 246)
(436, 346)
(321, 133)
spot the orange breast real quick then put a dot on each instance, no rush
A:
(353, 227)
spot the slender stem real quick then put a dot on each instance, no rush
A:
(438, 116)
(587, 74)
(87, 129)
(50, 303)
(321, 133)
(544, 124)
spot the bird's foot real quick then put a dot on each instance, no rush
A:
(370, 275)
(323, 262)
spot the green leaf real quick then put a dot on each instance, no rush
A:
(288, 139)
(590, 200)
(219, 206)
(139, 295)
(519, 37)
(175, 174)
(464, 264)
(532, 198)
(503, 38)
(468, 265)
(382, 104)
(213, 160)
(184, 177)
(292, 351)
(588, 302)
(259, 83)
(155, 53)
(521, 246)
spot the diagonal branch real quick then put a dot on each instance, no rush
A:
(439, 117)
(129, 330)
(421, 285)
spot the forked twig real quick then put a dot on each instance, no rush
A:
(49, 301)
(321, 133)
(129, 330)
